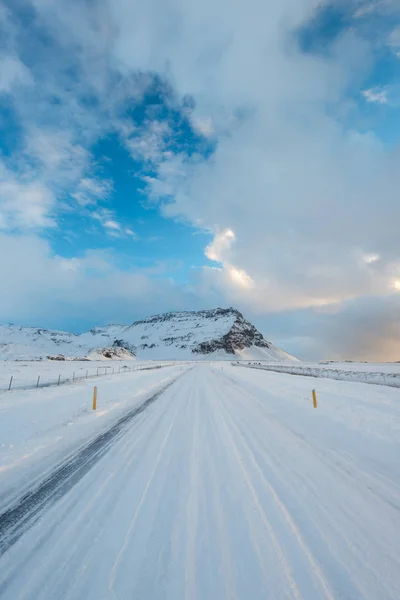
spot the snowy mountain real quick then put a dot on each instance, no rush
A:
(207, 334)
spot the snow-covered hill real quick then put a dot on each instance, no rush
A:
(216, 334)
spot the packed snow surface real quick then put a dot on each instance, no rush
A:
(198, 482)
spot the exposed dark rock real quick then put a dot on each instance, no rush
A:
(241, 335)
(57, 357)
(125, 345)
(115, 352)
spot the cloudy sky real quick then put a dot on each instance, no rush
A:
(162, 155)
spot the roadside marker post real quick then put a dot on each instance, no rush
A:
(314, 397)
(95, 397)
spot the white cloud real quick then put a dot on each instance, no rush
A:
(220, 250)
(56, 153)
(366, 8)
(113, 225)
(301, 193)
(203, 125)
(221, 243)
(371, 258)
(239, 277)
(48, 290)
(394, 41)
(52, 165)
(100, 188)
(396, 284)
(147, 143)
(394, 37)
(377, 95)
(24, 203)
(13, 73)
(90, 191)
(38, 178)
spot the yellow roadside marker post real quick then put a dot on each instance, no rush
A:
(314, 397)
(94, 397)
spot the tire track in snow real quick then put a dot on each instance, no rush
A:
(286, 515)
(15, 520)
(126, 447)
(224, 443)
(336, 527)
(257, 504)
(253, 528)
(133, 521)
(358, 587)
(144, 431)
(226, 557)
(389, 485)
(192, 509)
(203, 509)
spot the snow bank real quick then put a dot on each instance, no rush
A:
(362, 375)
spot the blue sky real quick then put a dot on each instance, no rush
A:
(165, 156)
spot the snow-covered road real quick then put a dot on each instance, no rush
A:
(226, 485)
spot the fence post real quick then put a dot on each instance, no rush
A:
(59, 377)
(9, 387)
(38, 379)
(314, 396)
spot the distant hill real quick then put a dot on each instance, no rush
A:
(217, 334)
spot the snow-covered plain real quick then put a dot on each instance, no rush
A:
(375, 373)
(25, 374)
(228, 484)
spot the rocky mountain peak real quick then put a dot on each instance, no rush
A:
(218, 333)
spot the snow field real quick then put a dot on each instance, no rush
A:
(25, 374)
(378, 374)
(230, 485)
